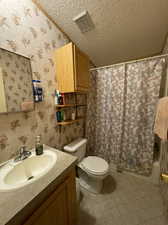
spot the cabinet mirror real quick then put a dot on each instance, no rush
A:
(16, 90)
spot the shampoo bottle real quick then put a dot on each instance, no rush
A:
(35, 91)
(56, 98)
(39, 91)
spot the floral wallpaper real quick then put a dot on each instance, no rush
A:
(165, 49)
(27, 31)
(17, 77)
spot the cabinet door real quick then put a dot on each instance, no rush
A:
(64, 64)
(81, 64)
(59, 208)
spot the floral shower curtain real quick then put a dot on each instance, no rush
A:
(105, 112)
(121, 109)
(141, 95)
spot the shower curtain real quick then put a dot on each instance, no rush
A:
(121, 109)
(105, 113)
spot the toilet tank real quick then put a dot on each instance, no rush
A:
(77, 148)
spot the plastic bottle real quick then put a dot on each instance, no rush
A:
(38, 146)
(58, 116)
(63, 98)
(60, 99)
(39, 91)
(56, 97)
(35, 91)
(62, 115)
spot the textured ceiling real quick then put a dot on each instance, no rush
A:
(124, 29)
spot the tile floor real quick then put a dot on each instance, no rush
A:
(126, 200)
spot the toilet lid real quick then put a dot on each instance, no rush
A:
(95, 165)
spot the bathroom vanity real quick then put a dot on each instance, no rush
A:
(51, 199)
(59, 207)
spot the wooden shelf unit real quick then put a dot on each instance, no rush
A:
(68, 122)
(66, 106)
(70, 105)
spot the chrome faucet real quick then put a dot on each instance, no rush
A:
(23, 154)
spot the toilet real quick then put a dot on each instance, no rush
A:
(91, 169)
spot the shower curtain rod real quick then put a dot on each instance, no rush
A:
(132, 61)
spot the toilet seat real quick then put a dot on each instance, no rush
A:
(95, 165)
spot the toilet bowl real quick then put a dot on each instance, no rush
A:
(91, 170)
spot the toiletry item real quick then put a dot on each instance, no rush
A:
(65, 117)
(58, 116)
(38, 146)
(62, 115)
(39, 91)
(60, 99)
(35, 91)
(73, 116)
(56, 98)
(63, 98)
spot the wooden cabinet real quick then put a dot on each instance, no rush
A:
(60, 206)
(72, 69)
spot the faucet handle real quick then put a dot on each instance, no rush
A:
(23, 154)
(22, 149)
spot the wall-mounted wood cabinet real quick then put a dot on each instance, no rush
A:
(72, 69)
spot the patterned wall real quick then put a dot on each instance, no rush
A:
(17, 79)
(165, 50)
(27, 31)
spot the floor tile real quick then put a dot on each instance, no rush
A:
(156, 221)
(125, 200)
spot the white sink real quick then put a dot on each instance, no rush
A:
(16, 175)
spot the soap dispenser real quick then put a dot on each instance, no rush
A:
(38, 146)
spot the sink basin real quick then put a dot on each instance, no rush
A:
(15, 175)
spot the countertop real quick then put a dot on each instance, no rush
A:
(13, 202)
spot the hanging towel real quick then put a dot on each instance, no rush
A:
(161, 120)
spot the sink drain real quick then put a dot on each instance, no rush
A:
(30, 178)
